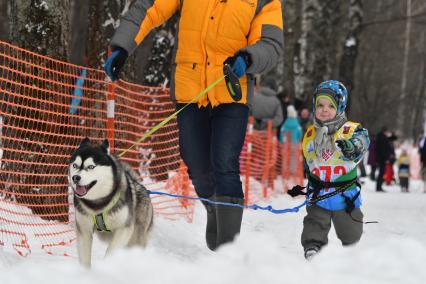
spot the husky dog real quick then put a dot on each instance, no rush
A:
(108, 199)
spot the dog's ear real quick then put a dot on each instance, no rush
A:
(84, 142)
(105, 146)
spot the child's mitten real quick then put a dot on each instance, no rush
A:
(347, 148)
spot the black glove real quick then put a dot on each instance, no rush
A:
(296, 190)
(347, 148)
(115, 62)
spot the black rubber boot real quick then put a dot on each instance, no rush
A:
(228, 219)
(211, 228)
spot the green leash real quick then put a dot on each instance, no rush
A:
(162, 123)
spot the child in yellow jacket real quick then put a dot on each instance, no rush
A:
(404, 170)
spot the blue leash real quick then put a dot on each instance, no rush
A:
(253, 206)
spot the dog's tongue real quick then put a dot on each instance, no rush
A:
(80, 190)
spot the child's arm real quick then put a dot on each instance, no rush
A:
(355, 147)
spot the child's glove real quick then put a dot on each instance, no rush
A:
(296, 190)
(115, 62)
(347, 148)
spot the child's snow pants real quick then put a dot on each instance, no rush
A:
(317, 224)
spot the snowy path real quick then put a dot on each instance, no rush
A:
(268, 250)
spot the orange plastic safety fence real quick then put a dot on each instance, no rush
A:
(265, 161)
(47, 107)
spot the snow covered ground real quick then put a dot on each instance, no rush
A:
(268, 250)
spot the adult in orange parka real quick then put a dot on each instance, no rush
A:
(245, 34)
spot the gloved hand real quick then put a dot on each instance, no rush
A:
(115, 62)
(296, 190)
(347, 147)
(238, 63)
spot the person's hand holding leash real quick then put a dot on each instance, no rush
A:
(234, 67)
(239, 63)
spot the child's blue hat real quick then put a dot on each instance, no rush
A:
(336, 91)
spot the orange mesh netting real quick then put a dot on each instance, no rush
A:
(48, 106)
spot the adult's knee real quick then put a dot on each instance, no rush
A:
(202, 182)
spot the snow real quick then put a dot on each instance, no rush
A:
(268, 250)
(350, 42)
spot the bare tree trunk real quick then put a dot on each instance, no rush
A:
(157, 70)
(292, 30)
(276, 74)
(302, 80)
(103, 20)
(4, 20)
(350, 51)
(418, 114)
(402, 110)
(40, 26)
(318, 45)
(140, 59)
(79, 31)
(13, 19)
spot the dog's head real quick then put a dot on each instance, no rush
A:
(91, 170)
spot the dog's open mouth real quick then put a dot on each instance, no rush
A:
(82, 190)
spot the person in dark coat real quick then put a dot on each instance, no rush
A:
(384, 153)
(306, 118)
(423, 160)
(372, 158)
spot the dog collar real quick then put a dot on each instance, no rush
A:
(99, 219)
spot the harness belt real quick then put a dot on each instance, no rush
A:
(315, 186)
(100, 225)
(99, 219)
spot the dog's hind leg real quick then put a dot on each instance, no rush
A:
(141, 237)
(143, 227)
(120, 239)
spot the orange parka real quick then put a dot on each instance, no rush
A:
(209, 31)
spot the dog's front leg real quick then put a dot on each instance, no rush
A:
(84, 248)
(120, 239)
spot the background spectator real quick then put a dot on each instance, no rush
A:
(372, 158)
(266, 106)
(305, 118)
(404, 170)
(291, 125)
(384, 153)
(423, 160)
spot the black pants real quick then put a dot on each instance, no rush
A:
(373, 172)
(210, 141)
(380, 176)
(404, 183)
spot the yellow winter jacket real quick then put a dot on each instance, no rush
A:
(209, 31)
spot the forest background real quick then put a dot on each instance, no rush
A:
(376, 47)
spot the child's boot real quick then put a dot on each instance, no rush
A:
(311, 252)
